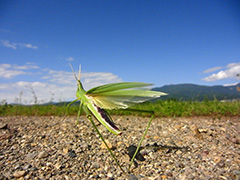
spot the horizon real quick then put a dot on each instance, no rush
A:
(19, 102)
(159, 42)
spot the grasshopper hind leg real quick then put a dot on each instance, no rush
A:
(140, 142)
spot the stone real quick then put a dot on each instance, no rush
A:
(103, 146)
(96, 165)
(43, 154)
(196, 132)
(18, 174)
(4, 126)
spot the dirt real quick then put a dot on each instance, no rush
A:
(174, 148)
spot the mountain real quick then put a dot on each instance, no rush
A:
(199, 92)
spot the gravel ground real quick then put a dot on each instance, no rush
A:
(175, 148)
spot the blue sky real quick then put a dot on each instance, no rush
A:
(161, 42)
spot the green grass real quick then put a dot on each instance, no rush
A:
(168, 108)
(173, 108)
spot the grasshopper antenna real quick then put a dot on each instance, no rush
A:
(73, 71)
(79, 72)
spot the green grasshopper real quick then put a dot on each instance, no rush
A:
(112, 96)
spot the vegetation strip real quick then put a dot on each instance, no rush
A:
(167, 108)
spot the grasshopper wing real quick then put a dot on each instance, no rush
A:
(121, 95)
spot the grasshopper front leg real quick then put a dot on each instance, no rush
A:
(67, 108)
(89, 116)
(79, 111)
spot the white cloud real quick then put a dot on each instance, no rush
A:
(91, 80)
(54, 85)
(25, 67)
(8, 71)
(28, 46)
(230, 72)
(232, 65)
(59, 77)
(233, 84)
(43, 91)
(212, 69)
(8, 44)
(70, 58)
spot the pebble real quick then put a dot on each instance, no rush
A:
(174, 148)
(19, 174)
(196, 132)
(109, 175)
(31, 155)
(27, 166)
(72, 154)
(132, 177)
(103, 146)
(4, 126)
(96, 165)
(42, 154)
